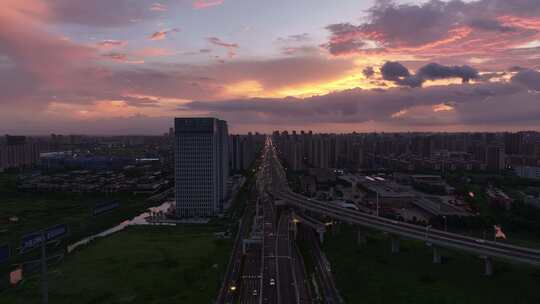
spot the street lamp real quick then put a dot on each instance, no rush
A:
(427, 232)
(445, 223)
(377, 202)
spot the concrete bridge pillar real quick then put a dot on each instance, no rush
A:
(394, 241)
(436, 255)
(321, 236)
(488, 266)
(361, 238)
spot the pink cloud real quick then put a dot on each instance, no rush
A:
(38, 53)
(153, 52)
(161, 35)
(435, 29)
(109, 44)
(123, 58)
(201, 4)
(231, 47)
(158, 7)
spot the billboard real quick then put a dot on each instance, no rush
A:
(4, 253)
(33, 240)
(105, 207)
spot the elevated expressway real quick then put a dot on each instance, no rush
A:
(433, 237)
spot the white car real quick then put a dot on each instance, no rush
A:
(272, 282)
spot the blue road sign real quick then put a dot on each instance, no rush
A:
(34, 240)
(105, 207)
(4, 253)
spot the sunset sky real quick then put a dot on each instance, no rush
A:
(130, 66)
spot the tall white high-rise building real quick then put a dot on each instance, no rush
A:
(201, 166)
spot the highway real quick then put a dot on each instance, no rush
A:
(250, 286)
(285, 275)
(322, 269)
(229, 289)
(302, 279)
(273, 270)
(435, 237)
(432, 236)
(270, 290)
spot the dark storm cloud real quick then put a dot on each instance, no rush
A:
(529, 78)
(368, 72)
(343, 29)
(346, 47)
(482, 103)
(435, 71)
(393, 71)
(399, 74)
(491, 25)
(434, 24)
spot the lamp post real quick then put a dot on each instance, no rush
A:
(377, 202)
(427, 232)
(445, 223)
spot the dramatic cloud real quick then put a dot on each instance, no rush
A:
(529, 78)
(435, 29)
(491, 25)
(484, 104)
(435, 71)
(89, 65)
(161, 35)
(394, 71)
(368, 72)
(344, 39)
(37, 54)
(399, 74)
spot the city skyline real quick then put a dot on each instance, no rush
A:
(129, 67)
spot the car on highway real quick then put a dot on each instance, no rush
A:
(272, 282)
(255, 292)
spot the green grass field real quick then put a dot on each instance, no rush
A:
(371, 274)
(38, 211)
(183, 264)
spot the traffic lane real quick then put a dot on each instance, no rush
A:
(421, 233)
(421, 229)
(301, 277)
(476, 246)
(287, 288)
(269, 281)
(229, 289)
(322, 269)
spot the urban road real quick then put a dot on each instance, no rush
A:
(273, 271)
(434, 237)
(266, 265)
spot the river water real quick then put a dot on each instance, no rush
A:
(138, 220)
